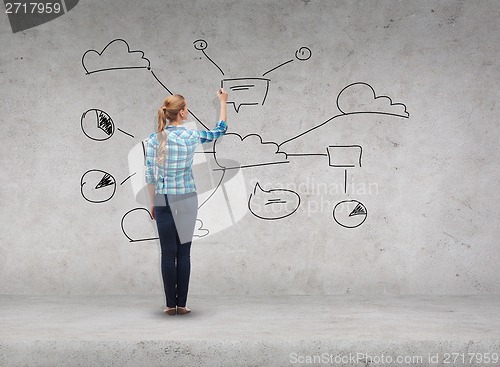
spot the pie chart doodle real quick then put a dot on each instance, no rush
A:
(97, 186)
(350, 213)
(98, 125)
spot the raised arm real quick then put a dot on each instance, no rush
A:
(221, 127)
(222, 95)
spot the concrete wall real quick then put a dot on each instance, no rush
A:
(411, 84)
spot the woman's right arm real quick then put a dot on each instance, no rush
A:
(221, 127)
(222, 94)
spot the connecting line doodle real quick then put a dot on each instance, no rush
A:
(302, 54)
(202, 45)
(249, 91)
(358, 98)
(346, 156)
(190, 111)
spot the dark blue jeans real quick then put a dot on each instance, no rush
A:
(176, 219)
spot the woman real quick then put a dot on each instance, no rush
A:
(172, 191)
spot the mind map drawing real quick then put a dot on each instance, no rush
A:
(234, 151)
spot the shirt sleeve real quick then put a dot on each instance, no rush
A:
(207, 136)
(151, 161)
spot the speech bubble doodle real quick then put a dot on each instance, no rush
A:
(350, 213)
(246, 91)
(137, 225)
(273, 204)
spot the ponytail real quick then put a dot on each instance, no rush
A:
(171, 107)
(162, 136)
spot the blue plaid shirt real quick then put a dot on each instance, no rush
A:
(174, 175)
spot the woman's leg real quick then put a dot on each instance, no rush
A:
(183, 271)
(185, 212)
(168, 243)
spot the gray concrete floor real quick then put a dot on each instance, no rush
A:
(266, 330)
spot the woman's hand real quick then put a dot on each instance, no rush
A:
(222, 95)
(153, 212)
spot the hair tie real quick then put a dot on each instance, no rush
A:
(164, 109)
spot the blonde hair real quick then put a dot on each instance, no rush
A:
(169, 110)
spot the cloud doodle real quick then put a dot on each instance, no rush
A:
(248, 151)
(115, 56)
(361, 98)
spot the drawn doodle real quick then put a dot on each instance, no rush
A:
(344, 155)
(201, 45)
(135, 226)
(97, 186)
(302, 54)
(361, 98)
(138, 226)
(199, 231)
(246, 91)
(233, 151)
(273, 204)
(249, 91)
(356, 101)
(115, 56)
(248, 151)
(98, 125)
(350, 213)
